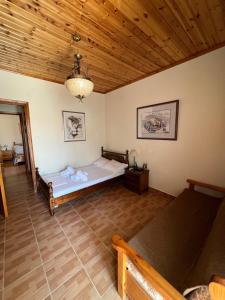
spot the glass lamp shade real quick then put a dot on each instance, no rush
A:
(79, 86)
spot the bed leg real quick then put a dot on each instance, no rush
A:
(122, 258)
(52, 211)
(37, 180)
(51, 199)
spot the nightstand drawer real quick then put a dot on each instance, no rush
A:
(136, 180)
(132, 186)
(131, 178)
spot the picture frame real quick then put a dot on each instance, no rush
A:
(158, 121)
(74, 126)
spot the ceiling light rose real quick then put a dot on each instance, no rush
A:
(79, 85)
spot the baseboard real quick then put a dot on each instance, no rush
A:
(161, 193)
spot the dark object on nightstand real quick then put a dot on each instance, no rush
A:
(137, 179)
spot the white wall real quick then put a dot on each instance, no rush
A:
(199, 152)
(10, 130)
(47, 101)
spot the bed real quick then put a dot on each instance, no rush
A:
(18, 154)
(59, 190)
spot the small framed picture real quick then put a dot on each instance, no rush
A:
(74, 126)
(158, 121)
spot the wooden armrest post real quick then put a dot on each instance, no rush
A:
(217, 291)
(122, 262)
(191, 186)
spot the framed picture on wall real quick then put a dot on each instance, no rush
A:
(74, 126)
(158, 121)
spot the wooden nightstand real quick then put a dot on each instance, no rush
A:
(7, 155)
(136, 180)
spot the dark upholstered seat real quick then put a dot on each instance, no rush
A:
(173, 240)
(212, 258)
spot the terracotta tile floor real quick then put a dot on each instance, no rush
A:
(68, 256)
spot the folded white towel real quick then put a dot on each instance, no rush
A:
(79, 176)
(67, 172)
(81, 173)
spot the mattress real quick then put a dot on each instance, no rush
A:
(63, 186)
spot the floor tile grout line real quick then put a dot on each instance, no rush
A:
(102, 214)
(83, 266)
(42, 263)
(98, 239)
(91, 229)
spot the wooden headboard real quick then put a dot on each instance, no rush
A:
(121, 157)
(17, 144)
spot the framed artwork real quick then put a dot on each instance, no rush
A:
(74, 126)
(158, 121)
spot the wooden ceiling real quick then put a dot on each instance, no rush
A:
(121, 40)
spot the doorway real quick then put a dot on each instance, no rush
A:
(17, 155)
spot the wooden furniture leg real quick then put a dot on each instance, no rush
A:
(37, 179)
(122, 261)
(2, 193)
(51, 199)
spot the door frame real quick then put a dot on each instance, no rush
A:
(25, 106)
(26, 150)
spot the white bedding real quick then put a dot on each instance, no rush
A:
(63, 186)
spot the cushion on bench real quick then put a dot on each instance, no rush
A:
(212, 259)
(172, 241)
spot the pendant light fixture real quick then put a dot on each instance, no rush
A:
(77, 84)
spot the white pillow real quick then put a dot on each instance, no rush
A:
(67, 172)
(101, 162)
(115, 166)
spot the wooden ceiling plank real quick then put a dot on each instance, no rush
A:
(134, 11)
(191, 16)
(14, 54)
(11, 59)
(21, 67)
(25, 58)
(6, 67)
(62, 24)
(164, 12)
(121, 24)
(217, 15)
(188, 27)
(40, 23)
(130, 38)
(100, 37)
(107, 30)
(202, 14)
(161, 16)
(95, 58)
(99, 71)
(39, 72)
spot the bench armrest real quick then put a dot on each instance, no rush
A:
(157, 281)
(193, 183)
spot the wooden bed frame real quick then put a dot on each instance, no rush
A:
(128, 286)
(47, 189)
